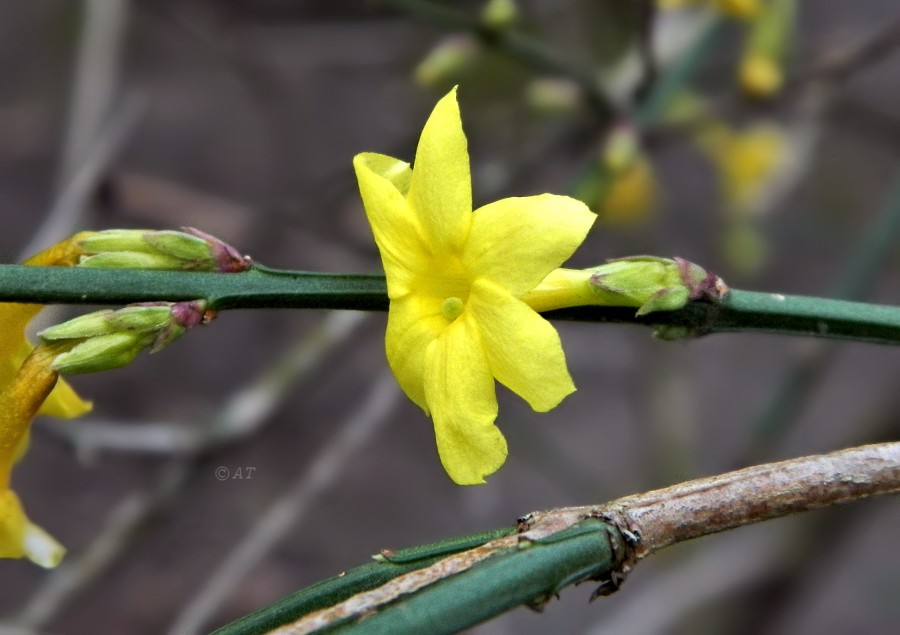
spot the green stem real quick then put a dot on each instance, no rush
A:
(262, 287)
(529, 574)
(259, 288)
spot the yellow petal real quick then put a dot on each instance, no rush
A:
(413, 323)
(396, 230)
(523, 349)
(441, 189)
(516, 242)
(19, 537)
(62, 254)
(460, 392)
(21, 398)
(64, 403)
(14, 348)
(394, 170)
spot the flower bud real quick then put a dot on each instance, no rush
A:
(130, 260)
(621, 149)
(741, 9)
(188, 250)
(102, 352)
(500, 14)
(553, 96)
(447, 61)
(109, 339)
(761, 74)
(89, 325)
(646, 282)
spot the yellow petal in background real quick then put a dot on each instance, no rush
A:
(20, 538)
(523, 349)
(441, 189)
(21, 398)
(396, 231)
(461, 396)
(516, 242)
(413, 323)
(64, 402)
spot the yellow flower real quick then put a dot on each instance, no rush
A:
(455, 278)
(760, 76)
(746, 161)
(632, 196)
(28, 386)
(741, 9)
(20, 400)
(14, 347)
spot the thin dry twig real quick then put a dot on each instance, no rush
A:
(241, 416)
(664, 517)
(281, 517)
(94, 133)
(844, 64)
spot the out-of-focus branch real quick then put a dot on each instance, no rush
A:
(281, 517)
(92, 136)
(844, 64)
(243, 414)
(514, 45)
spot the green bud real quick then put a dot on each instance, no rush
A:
(103, 352)
(553, 96)
(447, 61)
(183, 247)
(141, 318)
(115, 240)
(188, 250)
(109, 339)
(655, 284)
(622, 148)
(500, 14)
(670, 299)
(130, 260)
(89, 325)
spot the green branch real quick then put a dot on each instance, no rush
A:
(494, 572)
(258, 288)
(262, 287)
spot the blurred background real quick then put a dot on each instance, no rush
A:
(271, 449)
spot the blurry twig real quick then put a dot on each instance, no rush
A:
(802, 377)
(91, 139)
(822, 534)
(65, 214)
(119, 529)
(242, 415)
(282, 516)
(731, 564)
(825, 77)
(516, 46)
(647, 16)
(843, 64)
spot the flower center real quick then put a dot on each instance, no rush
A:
(452, 308)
